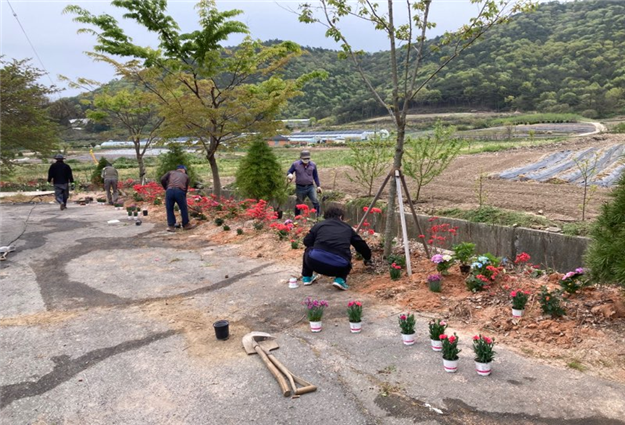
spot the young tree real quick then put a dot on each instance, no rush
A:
(428, 156)
(134, 110)
(206, 91)
(369, 160)
(26, 124)
(606, 253)
(407, 46)
(259, 175)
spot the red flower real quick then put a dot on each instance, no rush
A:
(302, 207)
(358, 303)
(452, 339)
(513, 294)
(475, 338)
(365, 209)
(371, 231)
(349, 304)
(376, 210)
(431, 241)
(488, 340)
(313, 210)
(403, 317)
(298, 217)
(422, 236)
(443, 336)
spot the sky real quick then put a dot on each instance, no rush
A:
(60, 50)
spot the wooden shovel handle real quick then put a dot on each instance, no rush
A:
(281, 381)
(308, 387)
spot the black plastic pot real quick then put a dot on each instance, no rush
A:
(465, 268)
(145, 212)
(222, 329)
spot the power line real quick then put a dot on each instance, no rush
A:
(31, 44)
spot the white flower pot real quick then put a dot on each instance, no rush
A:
(315, 326)
(451, 366)
(436, 345)
(483, 369)
(517, 313)
(293, 283)
(355, 328)
(408, 338)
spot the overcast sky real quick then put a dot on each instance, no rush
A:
(61, 50)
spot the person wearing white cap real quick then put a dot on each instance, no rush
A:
(306, 176)
(60, 174)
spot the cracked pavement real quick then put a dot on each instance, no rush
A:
(112, 323)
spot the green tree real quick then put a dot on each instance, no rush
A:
(26, 124)
(406, 74)
(206, 91)
(171, 159)
(260, 175)
(428, 156)
(606, 253)
(136, 112)
(369, 160)
(96, 176)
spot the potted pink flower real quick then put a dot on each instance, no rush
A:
(407, 324)
(519, 300)
(450, 352)
(354, 313)
(314, 311)
(484, 354)
(437, 328)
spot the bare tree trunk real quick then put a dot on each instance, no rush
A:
(392, 193)
(215, 171)
(139, 155)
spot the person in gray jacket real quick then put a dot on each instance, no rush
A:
(110, 177)
(306, 177)
(176, 185)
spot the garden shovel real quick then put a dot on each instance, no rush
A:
(262, 343)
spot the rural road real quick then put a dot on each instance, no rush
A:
(112, 324)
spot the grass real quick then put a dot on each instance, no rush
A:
(535, 119)
(492, 215)
(577, 365)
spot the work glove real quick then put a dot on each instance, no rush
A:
(369, 262)
(290, 177)
(72, 186)
(319, 190)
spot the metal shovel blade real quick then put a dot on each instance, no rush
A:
(265, 340)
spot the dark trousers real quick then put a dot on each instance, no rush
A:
(176, 196)
(311, 265)
(61, 193)
(306, 191)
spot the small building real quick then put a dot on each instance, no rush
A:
(341, 136)
(278, 141)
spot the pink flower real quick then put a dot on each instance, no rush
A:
(475, 338)
(349, 304)
(421, 236)
(513, 294)
(371, 231)
(452, 339)
(488, 340)
(443, 336)
(358, 303)
(376, 210)
(403, 317)
(365, 209)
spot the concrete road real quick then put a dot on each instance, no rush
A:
(112, 324)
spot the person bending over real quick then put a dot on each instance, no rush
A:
(328, 249)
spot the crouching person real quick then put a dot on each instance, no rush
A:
(328, 249)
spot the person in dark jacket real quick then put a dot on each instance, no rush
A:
(60, 174)
(328, 249)
(176, 185)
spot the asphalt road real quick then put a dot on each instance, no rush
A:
(112, 324)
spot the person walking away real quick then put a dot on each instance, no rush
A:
(110, 178)
(305, 173)
(328, 249)
(60, 174)
(176, 185)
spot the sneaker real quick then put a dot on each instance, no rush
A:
(308, 280)
(171, 229)
(188, 226)
(340, 283)
(63, 206)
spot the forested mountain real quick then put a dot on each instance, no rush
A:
(564, 57)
